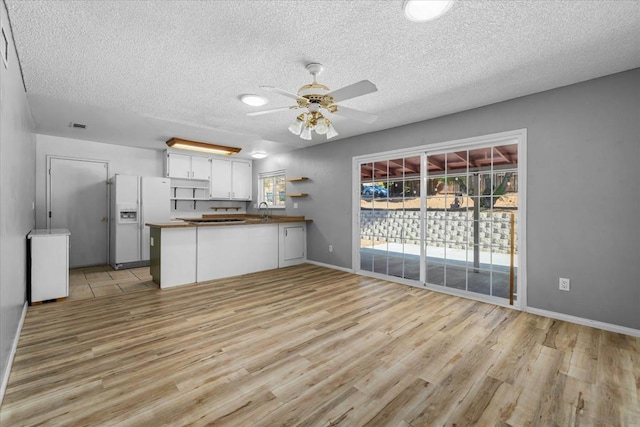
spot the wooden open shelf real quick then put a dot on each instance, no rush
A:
(234, 208)
(296, 194)
(298, 178)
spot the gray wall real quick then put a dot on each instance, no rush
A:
(122, 160)
(17, 193)
(583, 193)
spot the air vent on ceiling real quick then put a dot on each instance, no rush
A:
(78, 125)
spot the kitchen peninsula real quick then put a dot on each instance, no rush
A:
(216, 246)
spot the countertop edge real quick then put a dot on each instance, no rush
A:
(190, 225)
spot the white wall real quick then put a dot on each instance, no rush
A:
(17, 193)
(122, 160)
(583, 196)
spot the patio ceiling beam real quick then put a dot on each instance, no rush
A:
(435, 163)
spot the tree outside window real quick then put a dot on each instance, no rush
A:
(272, 187)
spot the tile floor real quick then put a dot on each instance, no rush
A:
(92, 282)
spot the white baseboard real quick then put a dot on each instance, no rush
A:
(585, 322)
(14, 347)
(545, 313)
(334, 267)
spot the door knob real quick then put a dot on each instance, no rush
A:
(103, 219)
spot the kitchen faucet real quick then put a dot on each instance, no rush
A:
(267, 214)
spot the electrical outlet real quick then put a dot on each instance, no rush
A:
(565, 284)
(330, 248)
(295, 206)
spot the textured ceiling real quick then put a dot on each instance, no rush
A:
(139, 72)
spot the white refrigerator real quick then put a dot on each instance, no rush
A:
(135, 201)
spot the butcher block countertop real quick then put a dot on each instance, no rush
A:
(228, 220)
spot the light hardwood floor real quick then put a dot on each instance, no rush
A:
(311, 346)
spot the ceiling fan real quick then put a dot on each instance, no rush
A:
(317, 99)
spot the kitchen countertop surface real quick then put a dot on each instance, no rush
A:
(49, 232)
(228, 221)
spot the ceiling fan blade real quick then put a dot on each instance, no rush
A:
(282, 92)
(350, 113)
(273, 110)
(357, 89)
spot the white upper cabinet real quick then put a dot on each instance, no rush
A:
(187, 167)
(178, 166)
(231, 179)
(241, 180)
(200, 168)
(220, 179)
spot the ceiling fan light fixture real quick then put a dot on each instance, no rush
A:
(331, 131)
(296, 127)
(254, 100)
(425, 10)
(314, 99)
(306, 133)
(321, 126)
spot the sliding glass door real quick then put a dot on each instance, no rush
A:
(445, 218)
(472, 210)
(390, 217)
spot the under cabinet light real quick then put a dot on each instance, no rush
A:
(204, 147)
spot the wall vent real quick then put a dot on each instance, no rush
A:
(78, 125)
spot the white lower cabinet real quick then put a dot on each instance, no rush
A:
(233, 250)
(184, 255)
(49, 258)
(173, 256)
(293, 244)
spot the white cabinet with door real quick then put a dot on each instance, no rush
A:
(220, 179)
(231, 179)
(200, 168)
(187, 167)
(178, 166)
(49, 261)
(293, 244)
(241, 180)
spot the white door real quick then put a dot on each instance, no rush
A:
(241, 180)
(220, 179)
(78, 200)
(200, 168)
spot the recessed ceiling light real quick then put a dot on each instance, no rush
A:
(425, 10)
(253, 100)
(258, 155)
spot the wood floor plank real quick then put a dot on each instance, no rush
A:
(309, 346)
